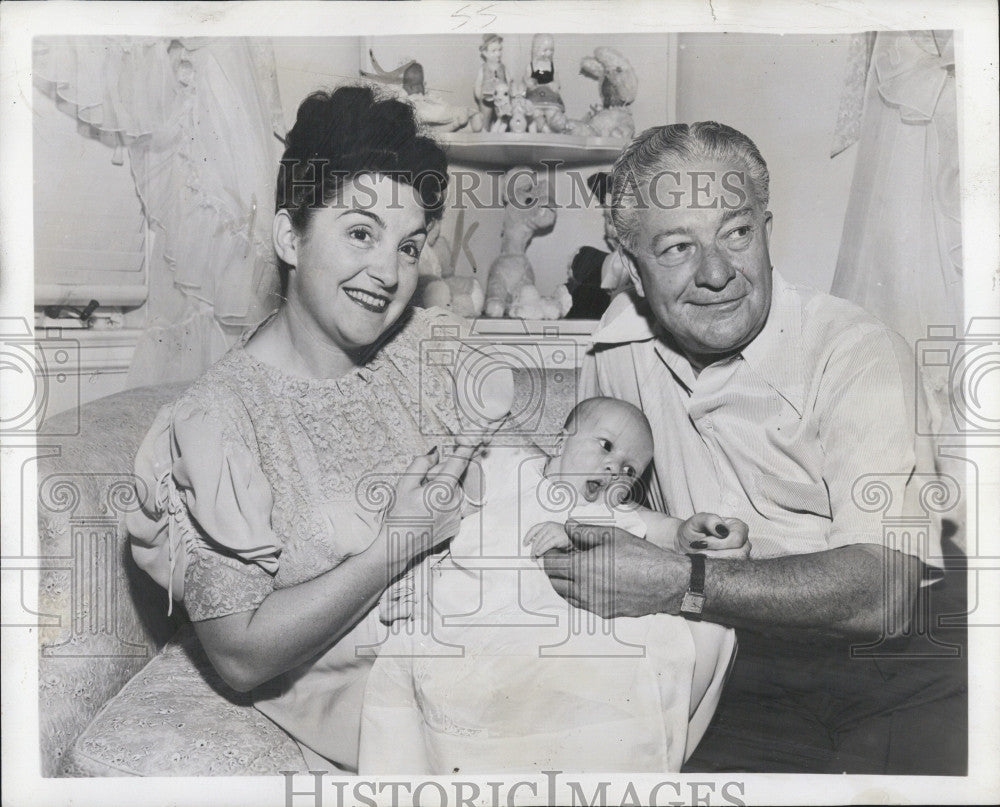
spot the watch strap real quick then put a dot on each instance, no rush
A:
(697, 584)
(693, 602)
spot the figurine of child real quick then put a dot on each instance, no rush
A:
(540, 75)
(491, 73)
(510, 677)
(543, 86)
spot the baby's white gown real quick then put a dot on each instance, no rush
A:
(497, 673)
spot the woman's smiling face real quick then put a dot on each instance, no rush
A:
(355, 265)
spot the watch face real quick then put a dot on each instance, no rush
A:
(692, 603)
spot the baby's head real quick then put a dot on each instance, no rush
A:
(604, 440)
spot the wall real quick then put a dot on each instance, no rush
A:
(783, 92)
(305, 64)
(450, 65)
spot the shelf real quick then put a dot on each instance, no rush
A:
(507, 149)
(488, 326)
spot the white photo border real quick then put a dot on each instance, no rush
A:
(975, 24)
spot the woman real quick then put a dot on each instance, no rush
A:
(256, 519)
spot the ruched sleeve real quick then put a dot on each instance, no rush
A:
(204, 529)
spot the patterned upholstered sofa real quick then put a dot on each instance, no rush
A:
(125, 689)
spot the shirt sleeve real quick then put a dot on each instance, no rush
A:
(876, 467)
(204, 530)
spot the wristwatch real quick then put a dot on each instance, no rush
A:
(693, 602)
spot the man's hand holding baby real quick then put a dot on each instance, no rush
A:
(702, 533)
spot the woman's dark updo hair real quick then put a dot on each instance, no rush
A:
(351, 131)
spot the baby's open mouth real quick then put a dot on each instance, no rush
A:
(592, 489)
(375, 303)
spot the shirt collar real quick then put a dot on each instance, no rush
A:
(775, 353)
(627, 319)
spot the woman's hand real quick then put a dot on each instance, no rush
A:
(427, 507)
(709, 533)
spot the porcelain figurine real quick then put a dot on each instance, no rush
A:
(543, 86)
(491, 73)
(502, 108)
(510, 288)
(407, 83)
(522, 111)
(618, 85)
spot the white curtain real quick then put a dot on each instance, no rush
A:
(901, 251)
(198, 118)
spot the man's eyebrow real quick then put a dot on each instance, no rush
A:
(373, 216)
(669, 233)
(731, 214)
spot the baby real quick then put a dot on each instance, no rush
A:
(604, 447)
(497, 673)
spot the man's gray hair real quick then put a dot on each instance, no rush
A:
(664, 148)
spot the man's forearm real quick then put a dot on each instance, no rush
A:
(862, 591)
(857, 592)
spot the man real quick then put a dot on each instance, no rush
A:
(793, 411)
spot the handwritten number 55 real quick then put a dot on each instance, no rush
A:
(480, 11)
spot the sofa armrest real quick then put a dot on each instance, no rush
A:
(101, 617)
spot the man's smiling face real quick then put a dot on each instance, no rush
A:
(702, 262)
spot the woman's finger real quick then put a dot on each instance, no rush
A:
(738, 529)
(418, 469)
(698, 525)
(718, 544)
(733, 530)
(453, 466)
(711, 525)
